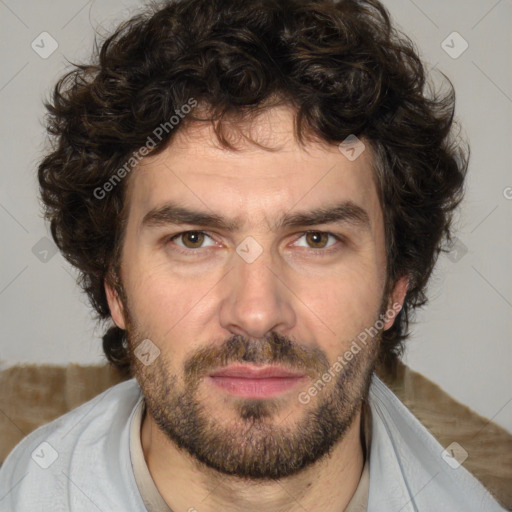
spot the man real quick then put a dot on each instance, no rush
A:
(256, 194)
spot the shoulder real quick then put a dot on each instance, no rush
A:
(411, 467)
(84, 439)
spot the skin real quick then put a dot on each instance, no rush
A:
(185, 303)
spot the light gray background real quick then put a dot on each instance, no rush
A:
(461, 340)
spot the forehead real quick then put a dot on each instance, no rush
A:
(252, 186)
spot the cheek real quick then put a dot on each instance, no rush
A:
(171, 310)
(158, 300)
(343, 304)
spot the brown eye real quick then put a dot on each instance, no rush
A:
(193, 239)
(190, 242)
(317, 239)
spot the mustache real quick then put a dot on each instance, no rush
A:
(273, 349)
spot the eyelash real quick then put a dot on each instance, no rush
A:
(188, 252)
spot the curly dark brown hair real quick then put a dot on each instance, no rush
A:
(341, 65)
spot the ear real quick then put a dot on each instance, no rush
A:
(114, 303)
(396, 299)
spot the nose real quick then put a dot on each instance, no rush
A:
(256, 298)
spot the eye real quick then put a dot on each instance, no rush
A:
(318, 239)
(191, 239)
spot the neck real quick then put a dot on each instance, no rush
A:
(185, 484)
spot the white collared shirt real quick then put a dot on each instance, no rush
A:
(81, 462)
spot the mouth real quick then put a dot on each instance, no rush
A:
(259, 382)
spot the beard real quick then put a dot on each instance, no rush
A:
(253, 445)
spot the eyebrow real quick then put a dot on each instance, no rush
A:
(346, 212)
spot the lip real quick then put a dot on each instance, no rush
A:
(259, 382)
(250, 371)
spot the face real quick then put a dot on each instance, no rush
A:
(249, 275)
